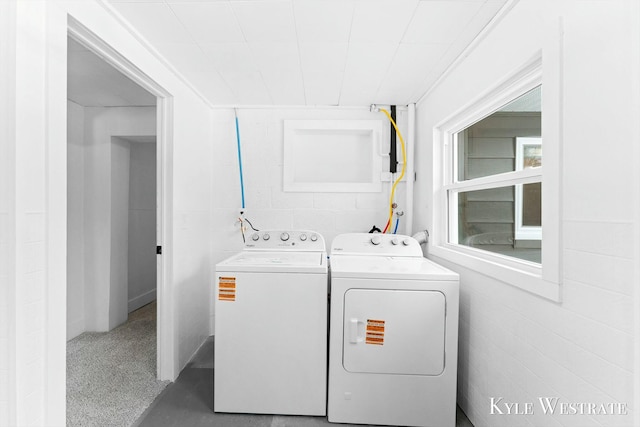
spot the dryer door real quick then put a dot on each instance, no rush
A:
(394, 331)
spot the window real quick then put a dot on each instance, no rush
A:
(497, 181)
(496, 196)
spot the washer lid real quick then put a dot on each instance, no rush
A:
(276, 261)
(382, 267)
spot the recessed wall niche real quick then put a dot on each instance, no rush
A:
(332, 155)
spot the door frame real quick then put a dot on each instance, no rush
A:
(166, 349)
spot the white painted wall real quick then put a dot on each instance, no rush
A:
(119, 228)
(75, 221)
(190, 249)
(142, 225)
(32, 261)
(7, 212)
(36, 387)
(267, 206)
(516, 345)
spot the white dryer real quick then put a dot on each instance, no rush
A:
(271, 305)
(394, 334)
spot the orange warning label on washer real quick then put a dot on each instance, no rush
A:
(227, 288)
(375, 332)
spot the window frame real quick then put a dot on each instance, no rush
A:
(540, 279)
(521, 231)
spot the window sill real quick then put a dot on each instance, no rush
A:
(520, 274)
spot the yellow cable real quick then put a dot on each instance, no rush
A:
(404, 165)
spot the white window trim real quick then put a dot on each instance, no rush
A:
(542, 280)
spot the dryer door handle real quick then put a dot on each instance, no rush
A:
(356, 331)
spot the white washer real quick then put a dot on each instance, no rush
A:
(271, 309)
(394, 334)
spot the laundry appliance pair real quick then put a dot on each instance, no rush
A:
(392, 345)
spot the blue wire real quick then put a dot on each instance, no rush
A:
(396, 227)
(240, 161)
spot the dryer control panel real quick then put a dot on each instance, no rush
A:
(396, 245)
(282, 240)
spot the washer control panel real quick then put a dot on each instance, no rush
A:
(299, 240)
(375, 244)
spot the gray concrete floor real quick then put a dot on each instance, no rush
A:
(189, 402)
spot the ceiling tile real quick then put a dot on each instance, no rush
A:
(186, 57)
(381, 20)
(463, 39)
(322, 56)
(367, 65)
(164, 27)
(211, 85)
(209, 22)
(231, 56)
(440, 21)
(318, 52)
(285, 87)
(248, 86)
(266, 21)
(322, 88)
(323, 20)
(275, 56)
(412, 63)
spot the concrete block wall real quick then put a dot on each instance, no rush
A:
(267, 205)
(518, 346)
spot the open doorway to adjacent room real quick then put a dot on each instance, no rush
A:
(113, 226)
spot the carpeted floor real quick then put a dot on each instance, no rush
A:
(111, 376)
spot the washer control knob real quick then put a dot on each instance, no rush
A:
(394, 241)
(303, 237)
(284, 237)
(406, 242)
(375, 240)
(255, 237)
(266, 236)
(314, 237)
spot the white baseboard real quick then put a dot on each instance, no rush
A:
(75, 328)
(144, 299)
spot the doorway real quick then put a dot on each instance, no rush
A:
(116, 134)
(166, 355)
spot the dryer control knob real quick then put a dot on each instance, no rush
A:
(255, 237)
(406, 242)
(375, 240)
(266, 236)
(314, 237)
(303, 237)
(394, 241)
(284, 237)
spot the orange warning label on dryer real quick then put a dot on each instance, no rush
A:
(227, 288)
(375, 332)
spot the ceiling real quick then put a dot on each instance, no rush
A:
(91, 82)
(309, 52)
